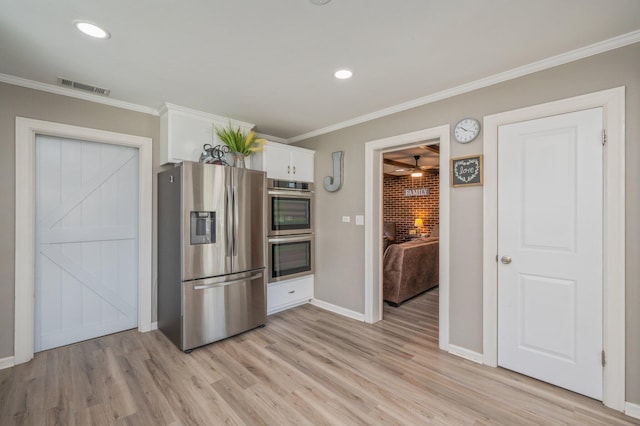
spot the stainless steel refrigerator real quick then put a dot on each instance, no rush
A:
(211, 260)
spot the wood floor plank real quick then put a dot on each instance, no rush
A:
(306, 367)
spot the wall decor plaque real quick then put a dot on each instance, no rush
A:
(466, 171)
(417, 192)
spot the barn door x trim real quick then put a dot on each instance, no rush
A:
(612, 101)
(26, 131)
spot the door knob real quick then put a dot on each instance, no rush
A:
(505, 259)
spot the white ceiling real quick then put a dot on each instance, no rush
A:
(271, 62)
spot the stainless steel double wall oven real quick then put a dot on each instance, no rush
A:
(290, 229)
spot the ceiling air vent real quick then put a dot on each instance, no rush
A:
(83, 86)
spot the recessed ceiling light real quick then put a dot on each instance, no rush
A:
(319, 2)
(343, 74)
(92, 30)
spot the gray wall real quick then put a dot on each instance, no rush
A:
(340, 247)
(20, 102)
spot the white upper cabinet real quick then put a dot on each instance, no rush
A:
(285, 162)
(277, 161)
(184, 131)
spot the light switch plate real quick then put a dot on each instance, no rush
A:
(359, 219)
(346, 219)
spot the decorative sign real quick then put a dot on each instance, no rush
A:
(416, 192)
(334, 183)
(466, 171)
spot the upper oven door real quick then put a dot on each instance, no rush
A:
(290, 212)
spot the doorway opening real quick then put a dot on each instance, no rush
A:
(410, 210)
(374, 238)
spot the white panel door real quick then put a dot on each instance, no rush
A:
(86, 240)
(550, 248)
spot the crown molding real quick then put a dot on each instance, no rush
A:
(554, 61)
(272, 138)
(45, 87)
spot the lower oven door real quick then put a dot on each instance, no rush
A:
(219, 307)
(290, 257)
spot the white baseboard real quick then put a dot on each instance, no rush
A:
(338, 310)
(154, 325)
(6, 362)
(632, 410)
(466, 354)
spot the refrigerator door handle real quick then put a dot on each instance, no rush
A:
(226, 283)
(236, 219)
(228, 226)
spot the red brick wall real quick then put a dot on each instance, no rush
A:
(404, 210)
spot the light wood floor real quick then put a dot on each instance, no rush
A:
(307, 366)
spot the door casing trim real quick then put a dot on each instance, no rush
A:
(613, 103)
(26, 131)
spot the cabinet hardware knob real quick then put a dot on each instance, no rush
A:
(292, 291)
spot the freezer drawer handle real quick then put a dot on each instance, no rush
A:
(224, 284)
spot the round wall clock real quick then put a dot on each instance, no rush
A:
(466, 130)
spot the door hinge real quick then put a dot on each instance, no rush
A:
(604, 359)
(604, 136)
(497, 258)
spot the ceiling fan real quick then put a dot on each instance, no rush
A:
(400, 162)
(416, 171)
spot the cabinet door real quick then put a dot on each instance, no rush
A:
(277, 162)
(183, 136)
(290, 293)
(302, 166)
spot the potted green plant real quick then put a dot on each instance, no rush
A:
(240, 144)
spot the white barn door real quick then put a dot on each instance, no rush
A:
(550, 220)
(86, 278)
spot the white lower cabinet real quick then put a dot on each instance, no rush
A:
(287, 294)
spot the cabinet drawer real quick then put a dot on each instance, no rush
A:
(290, 293)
